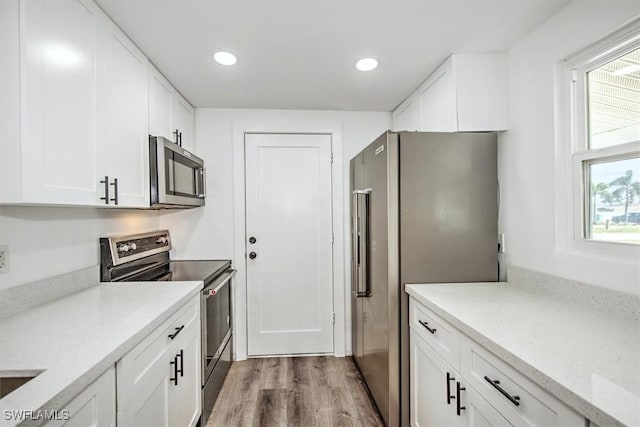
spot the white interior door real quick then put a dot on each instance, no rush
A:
(288, 213)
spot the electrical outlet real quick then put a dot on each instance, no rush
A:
(4, 258)
(501, 243)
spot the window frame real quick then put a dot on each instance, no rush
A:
(572, 147)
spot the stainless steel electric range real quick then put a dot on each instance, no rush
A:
(145, 257)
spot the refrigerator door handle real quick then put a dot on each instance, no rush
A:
(355, 245)
(361, 243)
(364, 243)
(364, 235)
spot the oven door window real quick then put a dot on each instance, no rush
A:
(184, 177)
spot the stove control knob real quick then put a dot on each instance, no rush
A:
(123, 248)
(162, 241)
(133, 246)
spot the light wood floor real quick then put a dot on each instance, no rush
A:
(294, 391)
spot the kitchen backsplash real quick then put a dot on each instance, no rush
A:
(600, 299)
(18, 298)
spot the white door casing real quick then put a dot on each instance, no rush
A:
(288, 211)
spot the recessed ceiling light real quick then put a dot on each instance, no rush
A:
(225, 58)
(367, 64)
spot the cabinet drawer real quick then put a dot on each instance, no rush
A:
(444, 338)
(517, 398)
(136, 365)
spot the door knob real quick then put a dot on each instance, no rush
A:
(252, 255)
(252, 240)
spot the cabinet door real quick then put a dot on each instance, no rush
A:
(185, 398)
(122, 117)
(95, 406)
(407, 115)
(59, 103)
(478, 412)
(428, 382)
(150, 405)
(182, 120)
(481, 92)
(160, 94)
(438, 101)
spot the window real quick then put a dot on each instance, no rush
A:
(605, 157)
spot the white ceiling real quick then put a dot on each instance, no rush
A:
(300, 54)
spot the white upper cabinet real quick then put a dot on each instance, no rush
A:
(78, 101)
(58, 81)
(183, 121)
(407, 115)
(437, 99)
(160, 94)
(170, 115)
(122, 117)
(466, 93)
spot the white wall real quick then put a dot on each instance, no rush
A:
(208, 233)
(527, 149)
(47, 241)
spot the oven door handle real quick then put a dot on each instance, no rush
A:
(211, 291)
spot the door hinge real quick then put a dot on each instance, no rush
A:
(333, 238)
(331, 157)
(333, 316)
(574, 75)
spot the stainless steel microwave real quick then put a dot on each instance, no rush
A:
(177, 176)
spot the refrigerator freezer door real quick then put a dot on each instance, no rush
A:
(356, 248)
(380, 323)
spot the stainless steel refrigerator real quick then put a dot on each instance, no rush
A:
(424, 209)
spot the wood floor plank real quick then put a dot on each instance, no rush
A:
(315, 391)
(271, 409)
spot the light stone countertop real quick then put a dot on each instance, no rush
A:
(76, 338)
(589, 360)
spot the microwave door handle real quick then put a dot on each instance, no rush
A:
(203, 174)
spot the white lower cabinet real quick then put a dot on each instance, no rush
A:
(184, 397)
(159, 380)
(156, 384)
(95, 406)
(477, 411)
(485, 391)
(432, 383)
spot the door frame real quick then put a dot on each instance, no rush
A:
(286, 125)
